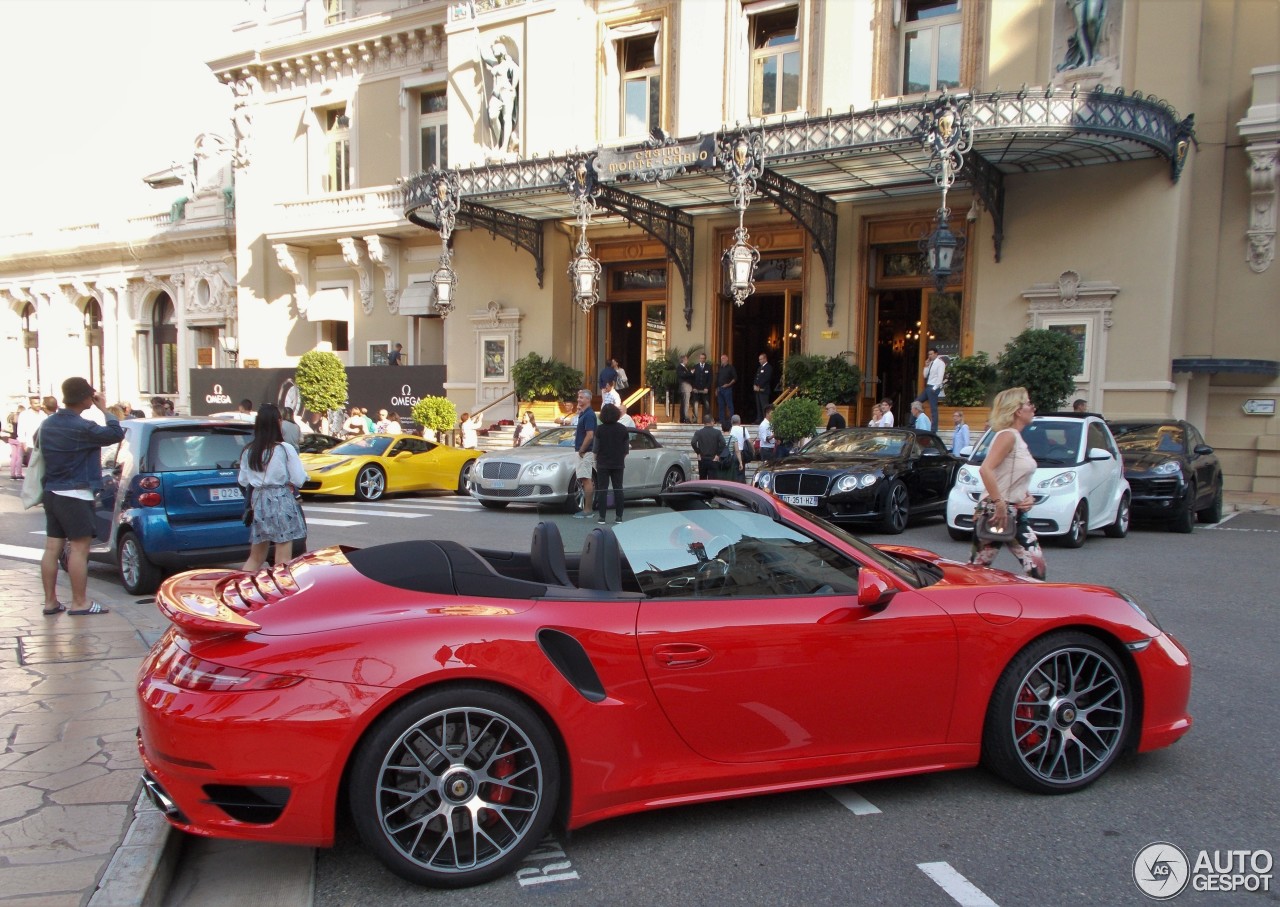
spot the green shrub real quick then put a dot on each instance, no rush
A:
(1045, 363)
(826, 379)
(322, 381)
(796, 418)
(545, 379)
(660, 374)
(436, 413)
(969, 380)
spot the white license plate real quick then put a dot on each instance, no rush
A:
(226, 494)
(498, 483)
(800, 500)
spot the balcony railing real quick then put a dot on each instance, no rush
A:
(376, 205)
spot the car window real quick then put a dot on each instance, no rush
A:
(1100, 437)
(364, 446)
(641, 441)
(717, 553)
(556, 437)
(187, 448)
(412, 445)
(862, 442)
(931, 442)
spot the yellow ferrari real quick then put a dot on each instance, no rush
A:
(371, 466)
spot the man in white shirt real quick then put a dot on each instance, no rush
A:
(935, 371)
(610, 395)
(766, 444)
(886, 413)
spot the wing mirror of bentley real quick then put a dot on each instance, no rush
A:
(874, 591)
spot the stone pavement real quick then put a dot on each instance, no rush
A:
(69, 765)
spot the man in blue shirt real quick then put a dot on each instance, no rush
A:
(919, 421)
(583, 442)
(71, 446)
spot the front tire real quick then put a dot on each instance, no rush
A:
(1212, 513)
(897, 509)
(574, 499)
(1120, 528)
(454, 787)
(959, 535)
(1185, 519)
(371, 483)
(1079, 529)
(464, 478)
(137, 574)
(1059, 716)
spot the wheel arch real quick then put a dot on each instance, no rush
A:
(563, 805)
(1115, 647)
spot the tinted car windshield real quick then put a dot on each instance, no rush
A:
(1052, 442)
(196, 447)
(364, 446)
(1153, 436)
(862, 442)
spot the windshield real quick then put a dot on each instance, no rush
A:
(556, 437)
(186, 448)
(1136, 438)
(887, 561)
(860, 442)
(364, 446)
(1052, 442)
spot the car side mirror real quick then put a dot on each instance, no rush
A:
(1097, 453)
(1203, 450)
(930, 452)
(874, 591)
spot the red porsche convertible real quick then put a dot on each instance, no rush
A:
(464, 700)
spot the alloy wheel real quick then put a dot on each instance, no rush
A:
(370, 483)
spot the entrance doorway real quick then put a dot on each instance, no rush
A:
(909, 322)
(632, 333)
(770, 323)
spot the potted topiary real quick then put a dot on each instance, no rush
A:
(1045, 363)
(969, 384)
(436, 414)
(544, 384)
(321, 380)
(795, 419)
(826, 379)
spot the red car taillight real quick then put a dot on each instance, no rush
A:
(190, 672)
(149, 496)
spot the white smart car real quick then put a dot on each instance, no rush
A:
(1078, 484)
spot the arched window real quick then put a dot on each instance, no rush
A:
(93, 342)
(31, 347)
(164, 345)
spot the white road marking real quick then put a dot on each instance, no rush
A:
(960, 889)
(26, 554)
(360, 511)
(853, 802)
(430, 503)
(320, 521)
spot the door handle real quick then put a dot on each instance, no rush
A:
(681, 655)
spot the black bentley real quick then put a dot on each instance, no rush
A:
(880, 476)
(1173, 475)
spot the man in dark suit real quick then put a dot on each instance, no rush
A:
(684, 381)
(763, 386)
(702, 386)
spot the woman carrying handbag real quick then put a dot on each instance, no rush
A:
(272, 473)
(1006, 474)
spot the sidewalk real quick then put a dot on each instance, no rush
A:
(69, 766)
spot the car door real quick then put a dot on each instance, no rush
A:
(642, 462)
(117, 463)
(1101, 477)
(1204, 466)
(778, 661)
(408, 466)
(935, 471)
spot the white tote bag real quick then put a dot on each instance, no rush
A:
(33, 480)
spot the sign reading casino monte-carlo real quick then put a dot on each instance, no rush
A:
(656, 162)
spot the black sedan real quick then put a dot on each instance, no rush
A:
(877, 476)
(1173, 475)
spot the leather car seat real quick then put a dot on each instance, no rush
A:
(547, 555)
(601, 564)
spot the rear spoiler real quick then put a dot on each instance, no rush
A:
(194, 603)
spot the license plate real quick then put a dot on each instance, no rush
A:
(226, 494)
(800, 500)
(498, 483)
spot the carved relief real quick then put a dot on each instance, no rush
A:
(294, 261)
(244, 91)
(215, 298)
(1262, 206)
(385, 253)
(356, 255)
(1070, 294)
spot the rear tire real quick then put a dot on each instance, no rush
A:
(137, 574)
(464, 478)
(1120, 528)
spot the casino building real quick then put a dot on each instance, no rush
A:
(599, 169)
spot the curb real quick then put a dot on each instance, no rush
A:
(143, 865)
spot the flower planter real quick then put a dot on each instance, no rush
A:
(547, 411)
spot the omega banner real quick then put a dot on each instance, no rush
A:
(218, 390)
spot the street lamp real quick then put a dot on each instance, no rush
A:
(948, 137)
(585, 269)
(445, 202)
(231, 347)
(743, 158)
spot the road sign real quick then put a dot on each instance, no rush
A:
(1260, 407)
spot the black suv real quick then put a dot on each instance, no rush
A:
(1175, 477)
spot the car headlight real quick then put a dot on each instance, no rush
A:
(1146, 612)
(536, 469)
(333, 465)
(1169, 467)
(868, 480)
(847, 483)
(968, 476)
(1061, 480)
(764, 480)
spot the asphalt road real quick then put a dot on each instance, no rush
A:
(960, 837)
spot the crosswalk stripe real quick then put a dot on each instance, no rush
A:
(321, 521)
(855, 803)
(26, 554)
(429, 503)
(353, 511)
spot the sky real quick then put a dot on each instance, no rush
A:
(98, 94)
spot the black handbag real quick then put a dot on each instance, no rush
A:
(983, 518)
(248, 506)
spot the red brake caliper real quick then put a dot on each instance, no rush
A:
(1026, 712)
(505, 767)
